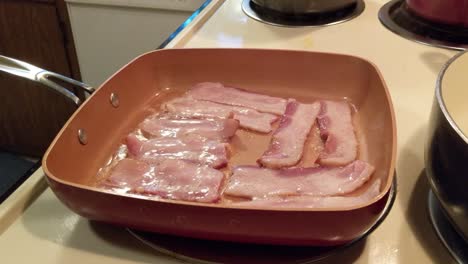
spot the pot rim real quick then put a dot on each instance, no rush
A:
(288, 7)
(440, 99)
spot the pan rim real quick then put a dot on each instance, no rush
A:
(382, 194)
(440, 99)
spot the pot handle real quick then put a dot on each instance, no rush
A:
(31, 72)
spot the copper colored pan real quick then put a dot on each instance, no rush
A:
(74, 158)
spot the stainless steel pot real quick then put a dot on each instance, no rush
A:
(304, 6)
(447, 146)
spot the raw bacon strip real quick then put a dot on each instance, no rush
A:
(287, 144)
(172, 179)
(312, 148)
(221, 129)
(316, 202)
(208, 152)
(216, 92)
(254, 182)
(248, 118)
(336, 128)
(129, 174)
(191, 108)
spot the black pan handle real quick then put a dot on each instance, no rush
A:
(31, 72)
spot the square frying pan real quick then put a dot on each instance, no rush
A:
(100, 124)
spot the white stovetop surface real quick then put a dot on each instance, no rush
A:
(47, 232)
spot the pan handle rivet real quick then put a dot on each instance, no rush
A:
(82, 136)
(114, 100)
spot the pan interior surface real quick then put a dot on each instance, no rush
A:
(454, 93)
(151, 79)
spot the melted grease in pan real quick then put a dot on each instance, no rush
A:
(245, 147)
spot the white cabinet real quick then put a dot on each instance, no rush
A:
(109, 33)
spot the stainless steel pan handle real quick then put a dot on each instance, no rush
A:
(31, 72)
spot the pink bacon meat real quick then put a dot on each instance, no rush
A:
(287, 144)
(196, 149)
(248, 118)
(336, 128)
(172, 179)
(254, 182)
(221, 129)
(316, 202)
(218, 93)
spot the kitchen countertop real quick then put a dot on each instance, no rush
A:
(53, 234)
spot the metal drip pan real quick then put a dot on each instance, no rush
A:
(453, 241)
(397, 17)
(302, 20)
